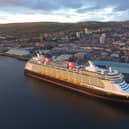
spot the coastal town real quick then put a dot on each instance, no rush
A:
(94, 43)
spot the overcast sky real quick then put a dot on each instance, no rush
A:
(63, 10)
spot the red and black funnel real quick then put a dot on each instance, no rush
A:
(47, 59)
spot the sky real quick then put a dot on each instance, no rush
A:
(15, 11)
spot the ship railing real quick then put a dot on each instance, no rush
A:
(61, 67)
(120, 76)
(79, 71)
(119, 81)
(114, 74)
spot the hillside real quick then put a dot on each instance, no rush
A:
(50, 27)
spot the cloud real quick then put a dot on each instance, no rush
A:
(88, 9)
(10, 18)
(63, 10)
(48, 5)
(43, 4)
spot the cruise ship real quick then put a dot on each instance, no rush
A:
(108, 84)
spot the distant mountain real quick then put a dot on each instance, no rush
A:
(35, 28)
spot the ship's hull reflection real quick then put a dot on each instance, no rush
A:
(79, 102)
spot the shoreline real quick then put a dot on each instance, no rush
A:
(15, 56)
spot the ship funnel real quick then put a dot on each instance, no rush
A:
(71, 65)
(47, 60)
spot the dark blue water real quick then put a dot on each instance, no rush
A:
(27, 103)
